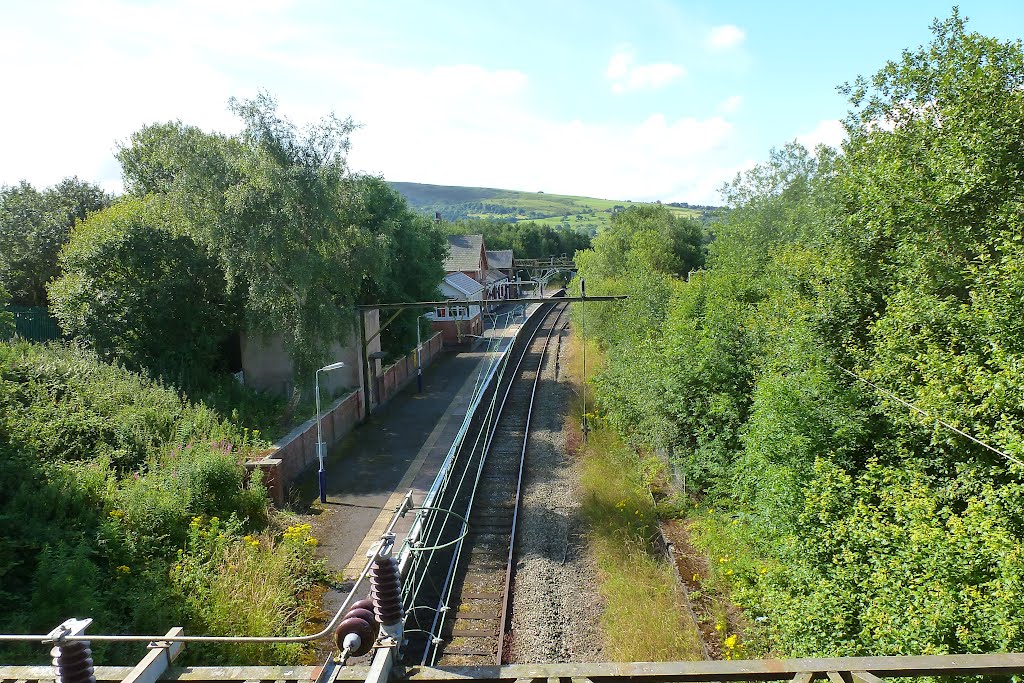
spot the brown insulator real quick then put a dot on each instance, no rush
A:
(365, 603)
(364, 614)
(386, 591)
(354, 625)
(73, 662)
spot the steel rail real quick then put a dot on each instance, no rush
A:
(506, 600)
(423, 526)
(408, 548)
(490, 439)
(443, 476)
(490, 302)
(490, 428)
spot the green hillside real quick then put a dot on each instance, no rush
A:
(455, 202)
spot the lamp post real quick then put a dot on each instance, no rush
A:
(419, 365)
(322, 473)
(583, 325)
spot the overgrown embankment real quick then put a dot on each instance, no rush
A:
(122, 502)
(855, 306)
(643, 612)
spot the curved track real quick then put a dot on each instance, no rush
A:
(459, 613)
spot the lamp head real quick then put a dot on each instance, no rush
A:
(332, 366)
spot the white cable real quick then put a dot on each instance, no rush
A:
(929, 416)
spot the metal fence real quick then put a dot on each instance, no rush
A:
(34, 323)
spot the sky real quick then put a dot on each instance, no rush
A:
(645, 100)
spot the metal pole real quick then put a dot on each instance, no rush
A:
(320, 445)
(419, 365)
(321, 473)
(583, 317)
(365, 362)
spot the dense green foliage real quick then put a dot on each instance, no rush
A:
(527, 240)
(898, 261)
(137, 288)
(34, 226)
(109, 482)
(6, 317)
(299, 237)
(413, 265)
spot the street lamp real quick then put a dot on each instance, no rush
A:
(322, 474)
(419, 365)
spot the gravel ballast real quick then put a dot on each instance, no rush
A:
(555, 604)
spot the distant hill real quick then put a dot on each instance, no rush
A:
(587, 214)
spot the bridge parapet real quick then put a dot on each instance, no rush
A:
(544, 263)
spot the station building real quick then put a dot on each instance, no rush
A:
(472, 276)
(459, 319)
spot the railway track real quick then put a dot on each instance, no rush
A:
(459, 614)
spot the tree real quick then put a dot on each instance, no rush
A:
(33, 227)
(279, 209)
(6, 317)
(413, 267)
(647, 237)
(138, 289)
(932, 182)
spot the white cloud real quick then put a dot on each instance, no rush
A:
(730, 104)
(626, 75)
(828, 132)
(725, 37)
(461, 124)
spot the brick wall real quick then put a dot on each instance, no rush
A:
(295, 454)
(397, 376)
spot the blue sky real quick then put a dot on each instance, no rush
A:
(649, 99)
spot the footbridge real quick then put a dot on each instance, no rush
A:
(541, 270)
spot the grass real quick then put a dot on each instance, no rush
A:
(732, 566)
(644, 617)
(256, 585)
(587, 213)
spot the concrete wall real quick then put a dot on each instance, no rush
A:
(267, 366)
(295, 454)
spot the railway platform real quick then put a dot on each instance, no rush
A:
(399, 449)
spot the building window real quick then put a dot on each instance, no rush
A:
(441, 312)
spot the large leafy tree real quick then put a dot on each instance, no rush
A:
(34, 226)
(647, 238)
(882, 531)
(138, 289)
(932, 184)
(413, 264)
(280, 210)
(6, 318)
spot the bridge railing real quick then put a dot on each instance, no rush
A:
(834, 670)
(549, 262)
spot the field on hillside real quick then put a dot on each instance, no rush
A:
(582, 213)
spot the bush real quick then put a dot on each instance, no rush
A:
(103, 471)
(141, 292)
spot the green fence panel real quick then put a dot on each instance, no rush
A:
(34, 323)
